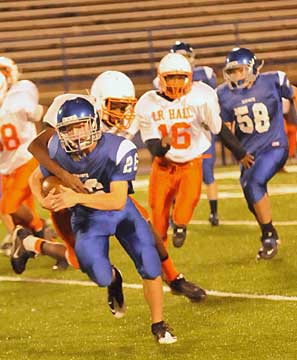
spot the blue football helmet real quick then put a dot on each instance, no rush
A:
(78, 124)
(241, 58)
(184, 49)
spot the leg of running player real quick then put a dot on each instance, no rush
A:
(161, 194)
(254, 183)
(187, 197)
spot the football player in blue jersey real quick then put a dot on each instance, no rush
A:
(208, 76)
(115, 99)
(251, 102)
(107, 164)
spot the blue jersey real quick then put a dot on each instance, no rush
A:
(206, 75)
(257, 112)
(113, 159)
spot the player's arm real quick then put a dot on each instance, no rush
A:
(114, 200)
(287, 93)
(35, 183)
(290, 107)
(158, 147)
(38, 148)
(232, 143)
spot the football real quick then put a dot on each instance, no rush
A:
(49, 183)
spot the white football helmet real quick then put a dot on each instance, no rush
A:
(115, 99)
(3, 87)
(9, 68)
(175, 74)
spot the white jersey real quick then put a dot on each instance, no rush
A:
(50, 116)
(187, 120)
(16, 131)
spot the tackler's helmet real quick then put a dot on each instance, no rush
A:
(247, 61)
(175, 74)
(115, 99)
(78, 125)
(9, 69)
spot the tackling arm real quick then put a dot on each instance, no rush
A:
(114, 200)
(38, 148)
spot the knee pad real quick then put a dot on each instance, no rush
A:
(98, 271)
(97, 268)
(254, 191)
(151, 264)
(102, 273)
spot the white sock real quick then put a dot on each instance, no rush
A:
(29, 243)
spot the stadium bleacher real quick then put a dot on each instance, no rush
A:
(63, 46)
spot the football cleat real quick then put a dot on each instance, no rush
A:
(269, 247)
(115, 297)
(163, 333)
(180, 286)
(19, 255)
(213, 219)
(179, 235)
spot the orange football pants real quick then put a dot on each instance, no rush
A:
(16, 192)
(62, 224)
(169, 181)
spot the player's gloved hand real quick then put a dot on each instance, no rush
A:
(72, 182)
(247, 161)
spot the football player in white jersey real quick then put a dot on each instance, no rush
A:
(19, 112)
(208, 76)
(115, 100)
(175, 124)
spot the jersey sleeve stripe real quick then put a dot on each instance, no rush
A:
(123, 149)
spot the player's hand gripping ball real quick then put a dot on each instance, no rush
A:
(49, 183)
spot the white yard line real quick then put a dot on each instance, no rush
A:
(139, 286)
(274, 190)
(277, 189)
(141, 184)
(243, 222)
(251, 296)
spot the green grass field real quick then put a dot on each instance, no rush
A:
(57, 321)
